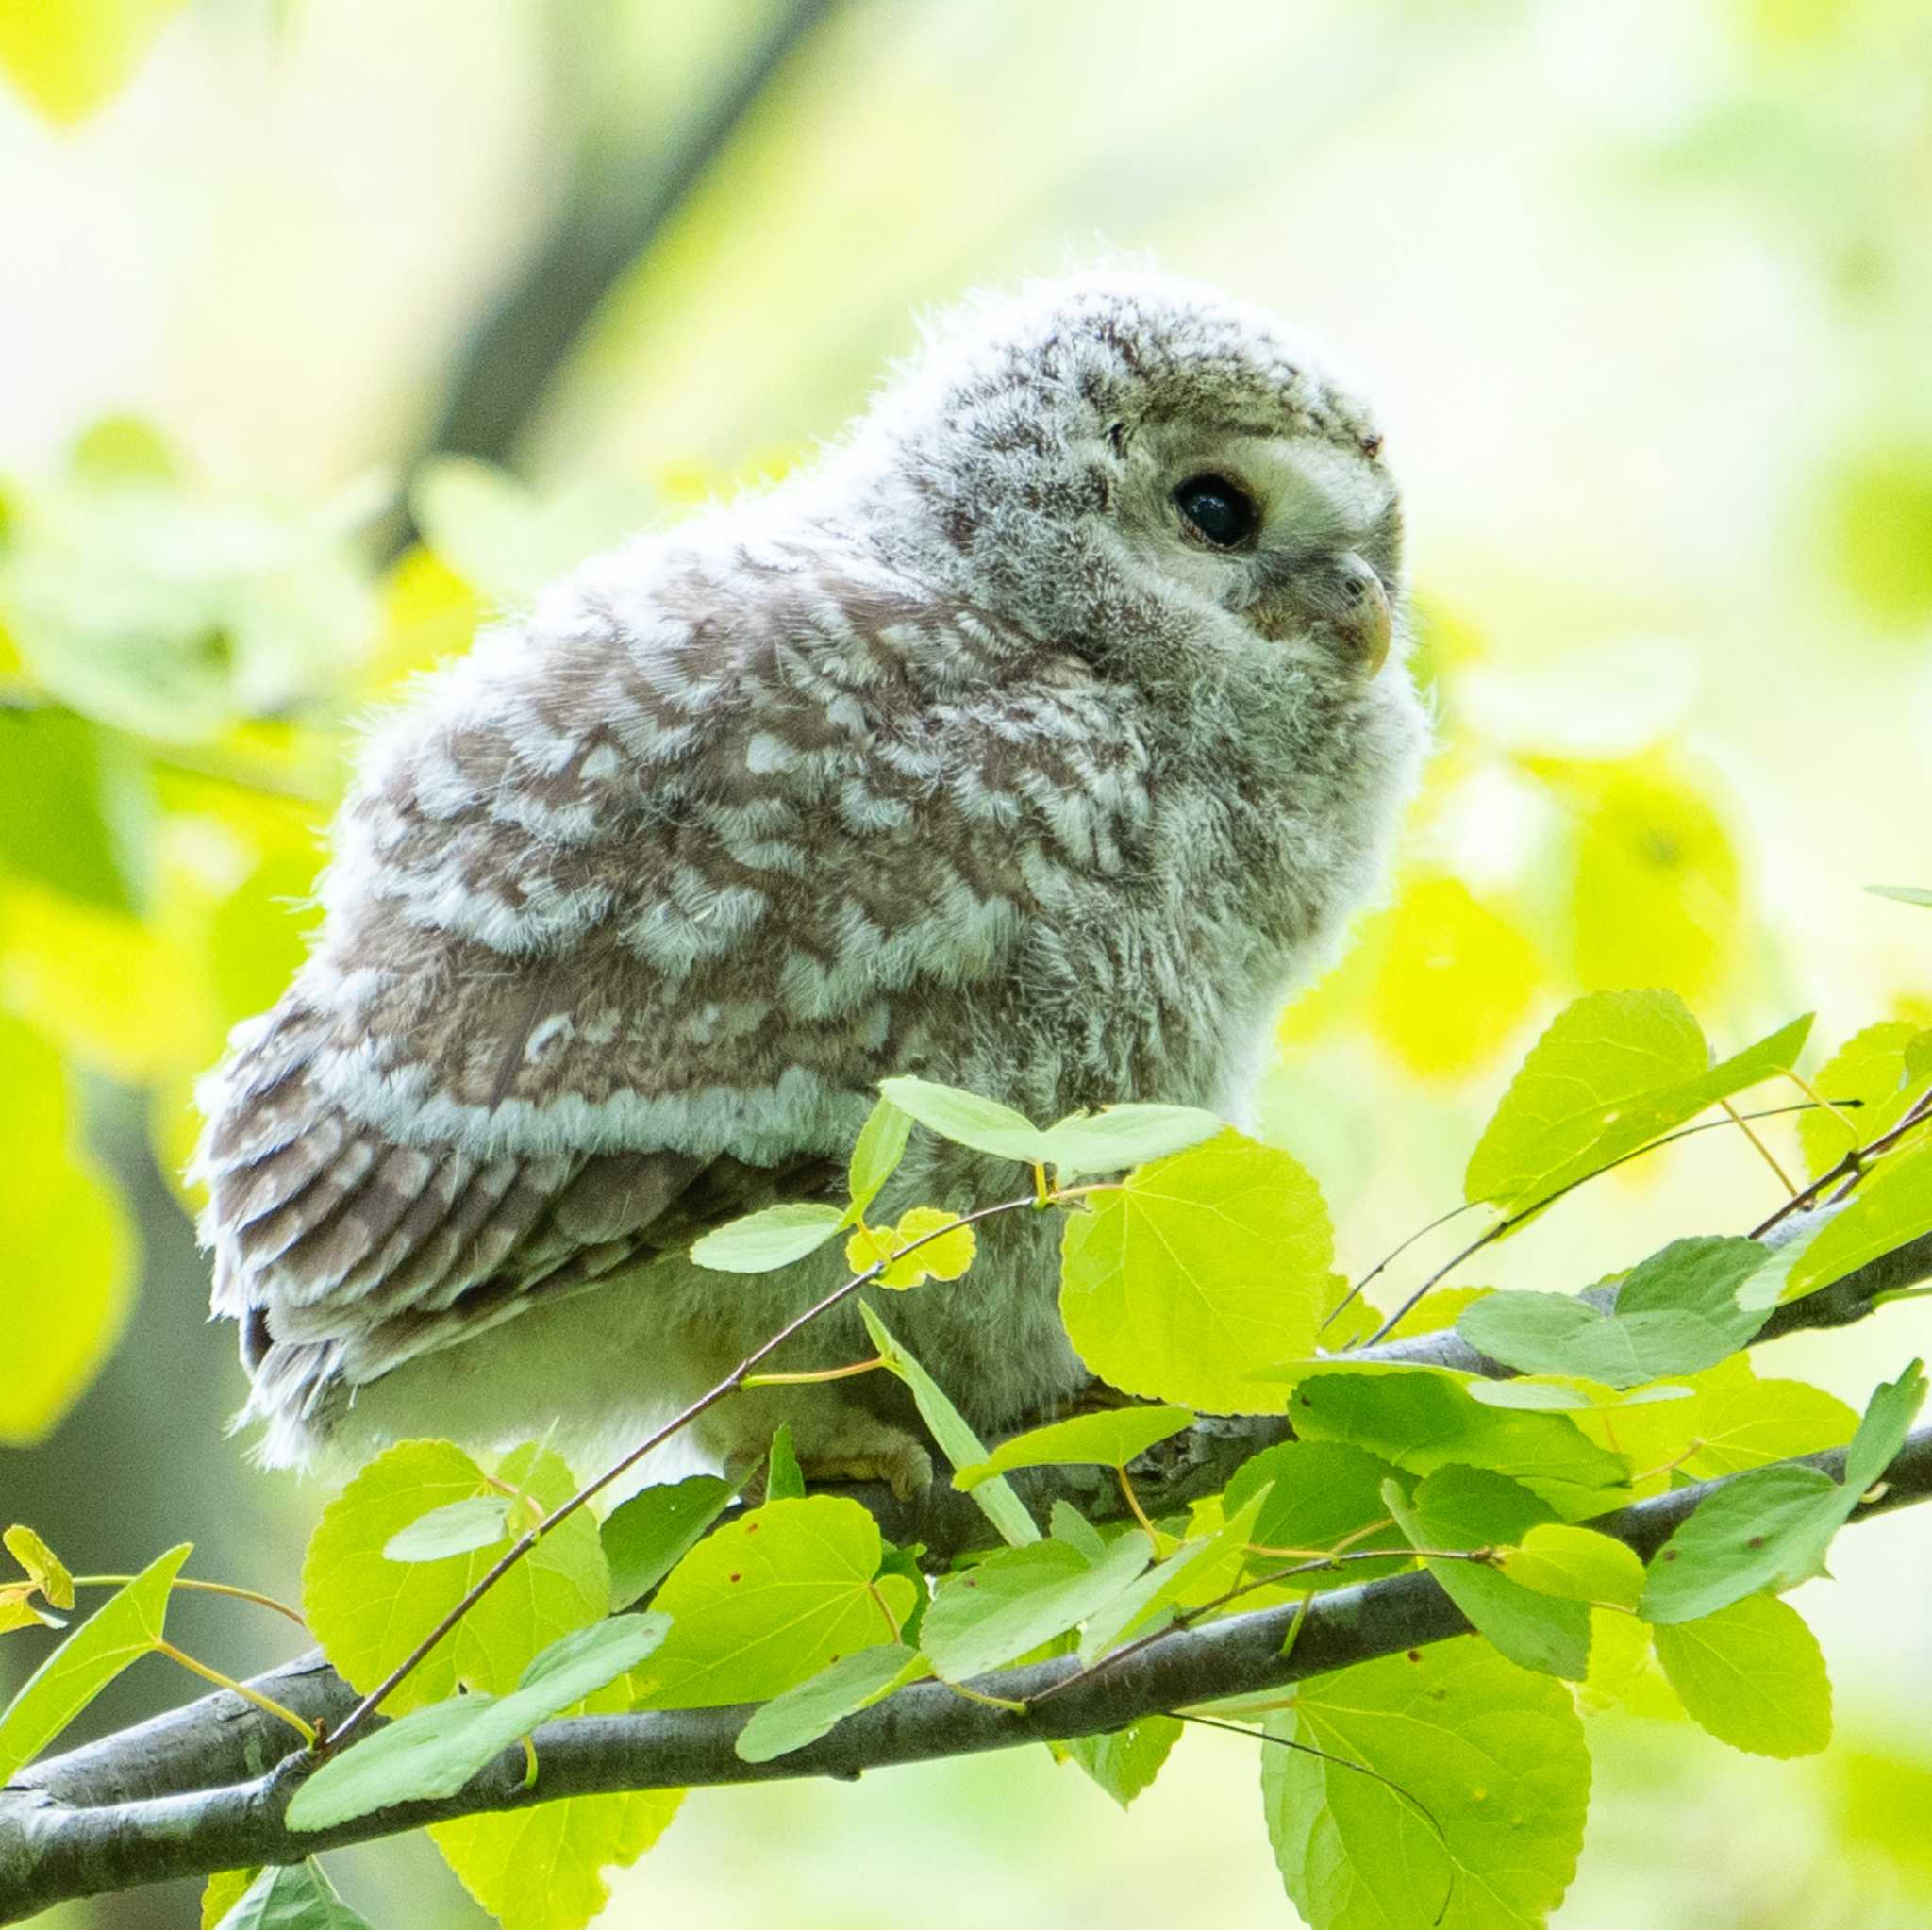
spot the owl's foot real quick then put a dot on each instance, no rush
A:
(905, 1469)
(844, 1445)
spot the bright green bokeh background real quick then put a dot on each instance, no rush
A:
(1643, 294)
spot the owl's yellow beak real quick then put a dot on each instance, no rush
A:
(1361, 619)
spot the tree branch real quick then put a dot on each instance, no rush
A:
(613, 211)
(51, 1851)
(222, 1739)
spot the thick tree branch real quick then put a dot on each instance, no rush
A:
(221, 1740)
(51, 1851)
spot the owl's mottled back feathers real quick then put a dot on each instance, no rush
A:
(936, 759)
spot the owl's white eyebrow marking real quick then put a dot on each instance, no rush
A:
(1321, 493)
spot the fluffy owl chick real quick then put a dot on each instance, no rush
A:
(1032, 741)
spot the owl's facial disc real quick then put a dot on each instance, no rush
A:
(1298, 537)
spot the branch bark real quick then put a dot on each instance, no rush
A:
(51, 1851)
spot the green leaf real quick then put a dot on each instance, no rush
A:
(433, 1752)
(967, 1120)
(125, 1628)
(875, 1156)
(1318, 1494)
(542, 1869)
(1118, 1137)
(956, 1441)
(43, 1568)
(293, 1896)
(368, 1612)
(1196, 1572)
(784, 1478)
(1071, 1527)
(1675, 1313)
(1869, 1071)
(1618, 1650)
(1613, 1071)
(1125, 1761)
(816, 1707)
(1532, 1394)
(1472, 1508)
(1422, 1419)
(71, 57)
(1759, 1422)
(1017, 1598)
(1577, 1564)
(1200, 1269)
(771, 1237)
(1490, 1755)
(123, 449)
(1107, 1440)
(1767, 1531)
(1892, 1207)
(223, 1892)
(455, 1528)
(647, 1536)
(1753, 1674)
(1889, 1416)
(66, 1246)
(66, 814)
(769, 1599)
(1903, 895)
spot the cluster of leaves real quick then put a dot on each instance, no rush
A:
(1204, 1279)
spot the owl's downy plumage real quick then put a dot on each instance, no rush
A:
(1033, 741)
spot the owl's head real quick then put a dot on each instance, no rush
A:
(1126, 434)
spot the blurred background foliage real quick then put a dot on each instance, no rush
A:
(336, 326)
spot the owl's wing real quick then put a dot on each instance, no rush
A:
(343, 1254)
(628, 910)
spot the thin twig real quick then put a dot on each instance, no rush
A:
(728, 1386)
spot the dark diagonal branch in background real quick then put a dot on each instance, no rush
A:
(50, 1850)
(613, 211)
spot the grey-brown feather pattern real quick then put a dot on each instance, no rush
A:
(950, 758)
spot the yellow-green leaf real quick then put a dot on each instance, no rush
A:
(125, 1628)
(1455, 980)
(945, 1258)
(44, 1569)
(1753, 1674)
(70, 56)
(1868, 1069)
(1614, 1070)
(66, 1248)
(223, 1892)
(771, 1599)
(542, 1869)
(1107, 1440)
(1577, 1564)
(1619, 1648)
(368, 1612)
(1657, 895)
(1200, 1270)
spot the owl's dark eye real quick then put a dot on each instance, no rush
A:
(1220, 511)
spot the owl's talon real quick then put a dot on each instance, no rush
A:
(906, 1469)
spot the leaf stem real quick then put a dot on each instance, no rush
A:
(187, 1661)
(1764, 1152)
(799, 1380)
(182, 1581)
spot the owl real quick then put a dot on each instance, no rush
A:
(1032, 741)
